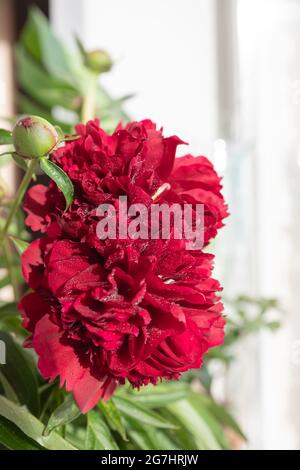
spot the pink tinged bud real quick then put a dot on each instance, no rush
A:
(34, 137)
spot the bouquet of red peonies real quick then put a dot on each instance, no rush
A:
(105, 310)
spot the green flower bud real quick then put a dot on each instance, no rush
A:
(34, 137)
(98, 61)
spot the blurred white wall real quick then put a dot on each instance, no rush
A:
(6, 80)
(164, 53)
(7, 171)
(270, 45)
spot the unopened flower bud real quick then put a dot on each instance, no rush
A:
(34, 137)
(98, 61)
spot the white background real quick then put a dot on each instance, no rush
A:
(169, 53)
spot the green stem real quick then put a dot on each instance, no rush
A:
(10, 268)
(19, 197)
(88, 109)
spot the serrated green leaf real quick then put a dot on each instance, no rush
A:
(5, 137)
(98, 435)
(61, 179)
(14, 439)
(31, 426)
(113, 417)
(19, 374)
(63, 414)
(21, 245)
(141, 414)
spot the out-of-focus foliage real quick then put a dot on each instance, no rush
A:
(247, 316)
(53, 81)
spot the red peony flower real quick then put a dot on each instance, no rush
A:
(194, 181)
(103, 311)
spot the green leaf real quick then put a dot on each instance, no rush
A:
(194, 422)
(81, 48)
(46, 47)
(10, 320)
(12, 324)
(70, 138)
(273, 325)
(76, 434)
(60, 133)
(148, 437)
(182, 436)
(15, 262)
(4, 281)
(162, 394)
(31, 426)
(98, 435)
(139, 436)
(141, 414)
(9, 310)
(7, 389)
(30, 40)
(160, 439)
(221, 413)
(113, 417)
(65, 413)
(14, 439)
(19, 374)
(21, 162)
(211, 420)
(21, 245)
(9, 150)
(45, 89)
(51, 397)
(60, 178)
(5, 137)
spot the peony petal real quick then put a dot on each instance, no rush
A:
(32, 261)
(33, 307)
(58, 358)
